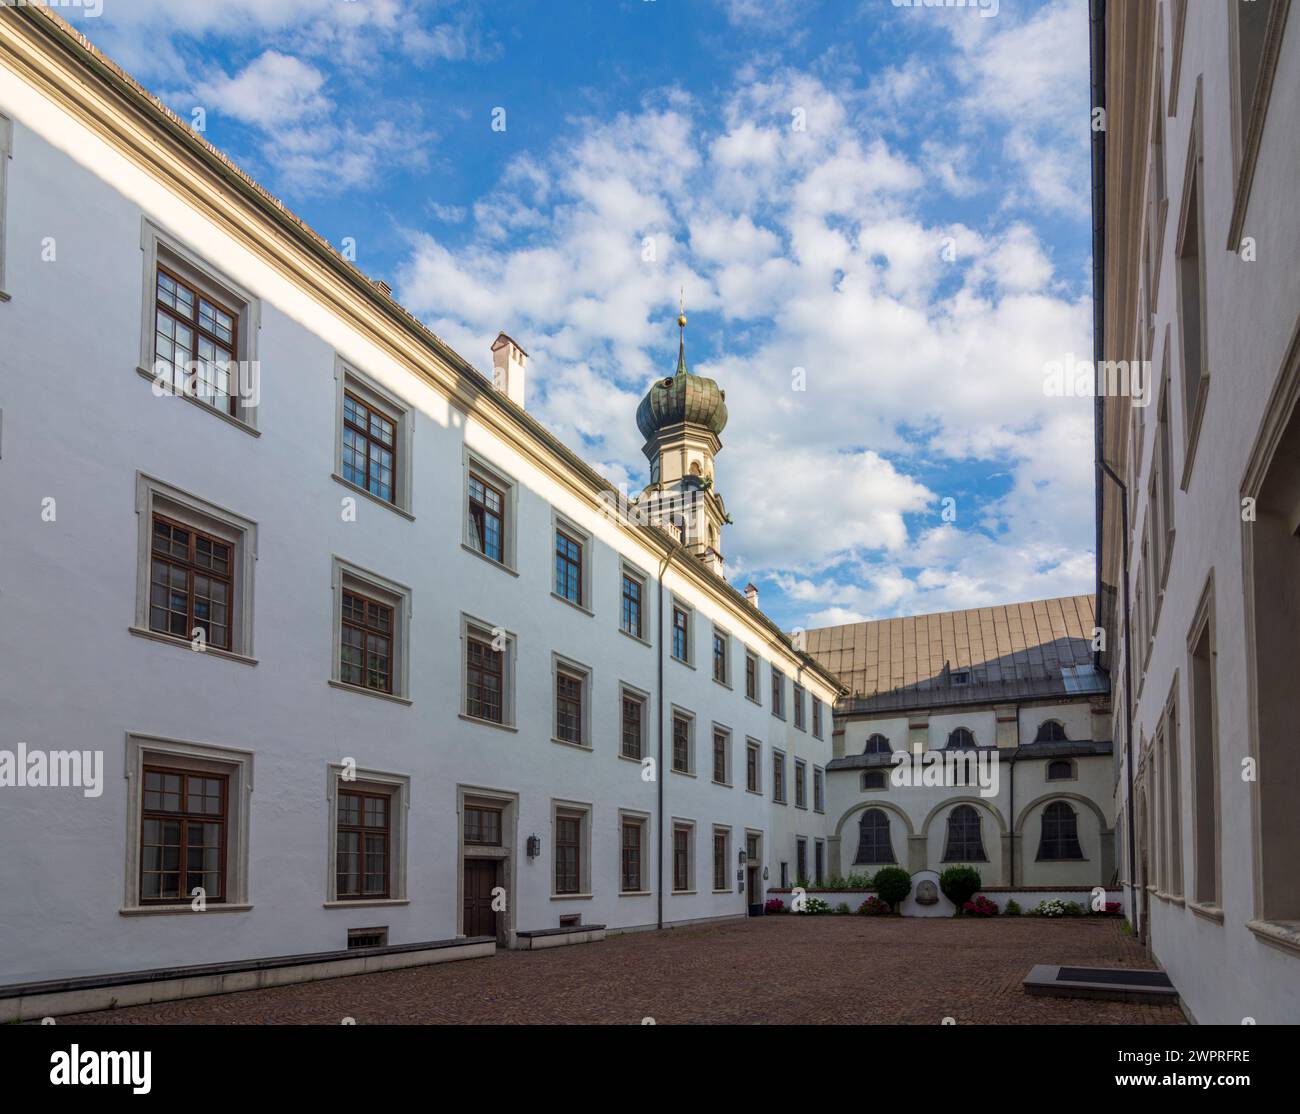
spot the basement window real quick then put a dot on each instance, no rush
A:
(367, 937)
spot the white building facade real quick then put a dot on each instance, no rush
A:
(1199, 482)
(367, 655)
(1005, 728)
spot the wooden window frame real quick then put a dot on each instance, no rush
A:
(481, 515)
(686, 739)
(800, 783)
(569, 560)
(722, 735)
(369, 439)
(753, 766)
(751, 677)
(683, 857)
(632, 604)
(819, 789)
(797, 695)
(485, 810)
(778, 776)
(352, 580)
(363, 831)
(478, 652)
(628, 695)
(189, 564)
(682, 629)
(778, 693)
(368, 629)
(476, 468)
(1054, 848)
(560, 879)
(721, 860)
(184, 817)
(570, 686)
(633, 852)
(479, 632)
(721, 657)
(818, 726)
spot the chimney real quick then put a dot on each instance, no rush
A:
(382, 287)
(751, 594)
(509, 368)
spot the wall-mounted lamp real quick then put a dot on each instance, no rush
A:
(743, 857)
(765, 874)
(534, 846)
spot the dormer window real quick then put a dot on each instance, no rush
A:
(961, 678)
(1050, 731)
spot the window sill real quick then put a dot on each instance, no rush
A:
(1283, 934)
(725, 890)
(630, 758)
(1042, 860)
(777, 801)
(181, 910)
(372, 496)
(756, 792)
(636, 638)
(370, 692)
(778, 715)
(574, 604)
(185, 644)
(635, 893)
(4, 297)
(490, 560)
(683, 893)
(725, 684)
(571, 897)
(681, 661)
(1206, 910)
(724, 784)
(753, 700)
(488, 722)
(364, 903)
(572, 745)
(802, 808)
(208, 408)
(1194, 433)
(683, 773)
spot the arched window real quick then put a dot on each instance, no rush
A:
(964, 844)
(1060, 770)
(1050, 731)
(961, 739)
(873, 779)
(874, 845)
(878, 744)
(1060, 838)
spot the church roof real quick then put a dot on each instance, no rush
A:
(984, 654)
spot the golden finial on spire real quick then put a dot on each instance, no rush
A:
(681, 312)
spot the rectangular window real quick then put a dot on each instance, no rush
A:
(633, 591)
(800, 784)
(817, 718)
(681, 744)
(778, 693)
(1205, 764)
(751, 676)
(482, 826)
(819, 789)
(568, 567)
(785, 876)
(369, 448)
(721, 858)
(1190, 271)
(195, 342)
(191, 581)
(801, 861)
(721, 747)
(633, 733)
(183, 822)
(778, 777)
(568, 854)
(487, 528)
(631, 855)
(819, 862)
(366, 643)
(363, 845)
(484, 680)
(720, 648)
(570, 706)
(752, 768)
(751, 847)
(798, 706)
(681, 634)
(682, 834)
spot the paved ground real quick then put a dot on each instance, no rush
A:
(783, 970)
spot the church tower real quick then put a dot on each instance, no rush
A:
(681, 418)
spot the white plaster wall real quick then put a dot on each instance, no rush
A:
(1223, 971)
(79, 422)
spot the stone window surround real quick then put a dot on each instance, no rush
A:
(560, 663)
(157, 496)
(344, 574)
(350, 379)
(682, 823)
(563, 523)
(237, 766)
(474, 461)
(583, 811)
(398, 789)
(156, 244)
(483, 630)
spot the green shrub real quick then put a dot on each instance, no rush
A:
(959, 884)
(1011, 908)
(1073, 909)
(892, 884)
(842, 907)
(858, 881)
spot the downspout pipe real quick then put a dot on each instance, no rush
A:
(659, 761)
(1097, 51)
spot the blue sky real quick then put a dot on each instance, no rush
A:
(892, 199)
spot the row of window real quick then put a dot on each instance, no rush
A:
(964, 839)
(962, 738)
(1059, 769)
(186, 822)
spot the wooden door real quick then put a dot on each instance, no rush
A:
(480, 878)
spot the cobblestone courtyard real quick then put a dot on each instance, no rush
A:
(777, 970)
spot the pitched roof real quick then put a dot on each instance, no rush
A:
(1014, 651)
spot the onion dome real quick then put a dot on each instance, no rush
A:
(682, 397)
